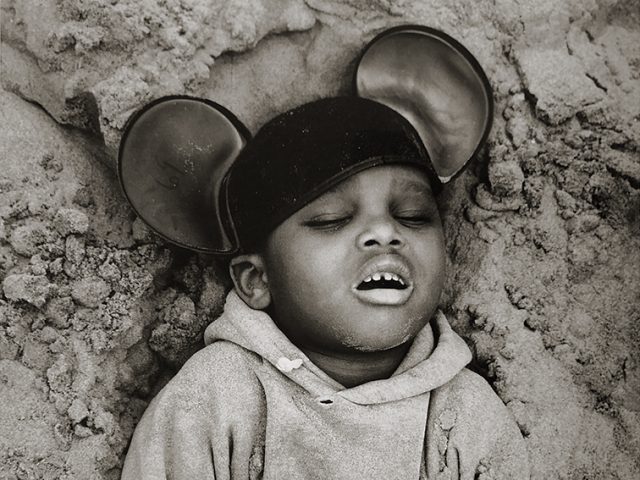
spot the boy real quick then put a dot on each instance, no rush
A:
(331, 360)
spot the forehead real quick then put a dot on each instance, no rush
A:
(398, 179)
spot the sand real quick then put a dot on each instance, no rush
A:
(97, 313)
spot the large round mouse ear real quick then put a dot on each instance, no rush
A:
(436, 84)
(172, 162)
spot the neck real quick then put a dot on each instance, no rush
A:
(354, 368)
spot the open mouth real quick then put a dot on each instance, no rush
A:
(388, 284)
(383, 280)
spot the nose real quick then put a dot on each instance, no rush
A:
(379, 233)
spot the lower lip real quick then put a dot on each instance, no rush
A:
(384, 296)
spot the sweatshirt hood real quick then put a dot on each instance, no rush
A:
(435, 357)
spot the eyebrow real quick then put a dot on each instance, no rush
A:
(414, 186)
(337, 188)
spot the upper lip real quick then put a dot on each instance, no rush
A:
(393, 264)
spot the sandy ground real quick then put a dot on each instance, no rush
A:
(96, 313)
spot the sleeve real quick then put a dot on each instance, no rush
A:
(503, 454)
(205, 424)
(172, 441)
(475, 435)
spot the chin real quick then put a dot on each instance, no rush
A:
(381, 342)
(382, 346)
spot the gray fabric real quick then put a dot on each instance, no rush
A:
(252, 405)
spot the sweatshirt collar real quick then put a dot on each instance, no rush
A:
(435, 357)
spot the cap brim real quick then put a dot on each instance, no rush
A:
(173, 158)
(436, 84)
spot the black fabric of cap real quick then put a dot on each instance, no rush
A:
(302, 153)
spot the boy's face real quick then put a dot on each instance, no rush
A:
(361, 267)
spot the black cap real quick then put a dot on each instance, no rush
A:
(302, 153)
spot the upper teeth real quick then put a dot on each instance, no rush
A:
(386, 275)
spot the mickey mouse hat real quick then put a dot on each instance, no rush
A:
(436, 84)
(192, 172)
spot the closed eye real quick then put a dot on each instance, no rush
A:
(327, 223)
(413, 219)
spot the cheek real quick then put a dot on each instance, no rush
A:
(303, 273)
(439, 258)
(432, 248)
(431, 255)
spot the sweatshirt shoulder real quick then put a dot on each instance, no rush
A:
(469, 379)
(222, 356)
(194, 418)
(479, 427)
(469, 390)
(220, 368)
(473, 409)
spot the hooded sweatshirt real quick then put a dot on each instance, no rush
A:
(251, 405)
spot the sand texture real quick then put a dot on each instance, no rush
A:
(96, 312)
